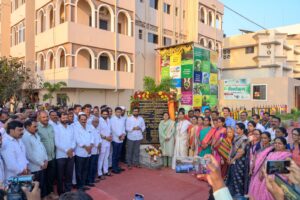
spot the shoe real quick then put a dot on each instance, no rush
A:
(90, 184)
(96, 181)
(121, 169)
(108, 174)
(84, 189)
(101, 177)
(116, 171)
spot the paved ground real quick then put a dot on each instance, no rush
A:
(162, 184)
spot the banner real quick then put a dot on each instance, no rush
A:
(213, 79)
(186, 84)
(175, 59)
(175, 72)
(187, 98)
(186, 71)
(165, 72)
(197, 100)
(237, 89)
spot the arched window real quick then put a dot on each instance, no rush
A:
(85, 12)
(203, 15)
(85, 58)
(41, 21)
(40, 62)
(202, 42)
(21, 33)
(61, 58)
(210, 19)
(50, 17)
(210, 45)
(124, 23)
(50, 60)
(60, 12)
(218, 22)
(105, 61)
(124, 64)
(106, 18)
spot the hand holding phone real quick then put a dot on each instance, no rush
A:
(278, 166)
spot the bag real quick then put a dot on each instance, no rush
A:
(224, 148)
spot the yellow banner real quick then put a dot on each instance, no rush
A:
(175, 59)
(197, 101)
(213, 79)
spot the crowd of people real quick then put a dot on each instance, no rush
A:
(83, 145)
(68, 147)
(241, 148)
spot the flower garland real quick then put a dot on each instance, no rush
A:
(153, 153)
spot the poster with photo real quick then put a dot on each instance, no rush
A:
(201, 54)
(213, 100)
(205, 77)
(186, 71)
(187, 57)
(177, 82)
(186, 84)
(205, 100)
(197, 65)
(186, 97)
(213, 68)
(214, 90)
(175, 72)
(165, 61)
(205, 66)
(201, 89)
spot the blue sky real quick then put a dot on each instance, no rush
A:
(267, 13)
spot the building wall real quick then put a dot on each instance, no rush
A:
(280, 91)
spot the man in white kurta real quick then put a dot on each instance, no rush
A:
(13, 151)
(105, 133)
(181, 138)
(135, 125)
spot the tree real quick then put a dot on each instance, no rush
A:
(164, 86)
(14, 79)
(51, 89)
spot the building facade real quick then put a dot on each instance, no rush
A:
(270, 61)
(102, 49)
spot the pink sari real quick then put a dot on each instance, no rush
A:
(220, 132)
(258, 188)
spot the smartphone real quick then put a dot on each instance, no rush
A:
(278, 166)
(138, 197)
(289, 191)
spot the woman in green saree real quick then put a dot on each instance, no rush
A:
(166, 139)
(204, 146)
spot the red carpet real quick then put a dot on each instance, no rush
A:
(153, 184)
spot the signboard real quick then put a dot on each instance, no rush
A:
(152, 112)
(237, 89)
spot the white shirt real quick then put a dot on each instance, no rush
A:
(272, 132)
(35, 151)
(132, 122)
(14, 156)
(90, 119)
(64, 140)
(245, 123)
(75, 118)
(54, 125)
(105, 130)
(97, 140)
(117, 128)
(260, 127)
(83, 137)
(222, 194)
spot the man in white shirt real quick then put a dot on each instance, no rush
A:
(135, 126)
(243, 118)
(77, 110)
(275, 124)
(13, 151)
(256, 119)
(84, 144)
(87, 109)
(36, 154)
(105, 133)
(118, 133)
(65, 146)
(93, 164)
(54, 120)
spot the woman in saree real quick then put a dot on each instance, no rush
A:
(238, 172)
(251, 127)
(204, 143)
(219, 133)
(181, 137)
(258, 188)
(295, 147)
(255, 146)
(166, 138)
(197, 135)
(193, 128)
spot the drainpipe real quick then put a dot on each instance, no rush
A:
(116, 45)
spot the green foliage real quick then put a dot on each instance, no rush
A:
(294, 115)
(51, 89)
(14, 79)
(164, 86)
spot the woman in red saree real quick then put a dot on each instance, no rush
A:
(220, 133)
(192, 142)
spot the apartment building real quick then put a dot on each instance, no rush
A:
(102, 49)
(270, 62)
